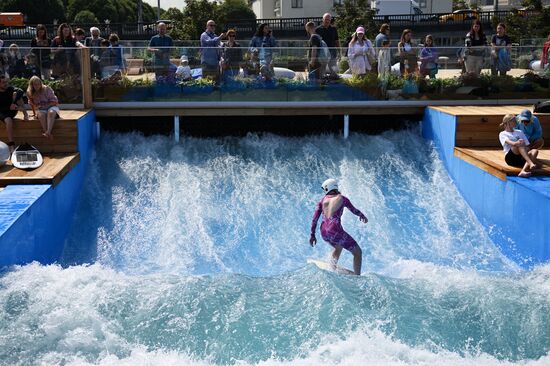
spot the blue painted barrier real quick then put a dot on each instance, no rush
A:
(514, 212)
(35, 219)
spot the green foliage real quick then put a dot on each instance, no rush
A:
(117, 11)
(363, 82)
(85, 17)
(43, 11)
(394, 82)
(460, 5)
(233, 9)
(198, 82)
(536, 25)
(197, 13)
(177, 26)
(353, 13)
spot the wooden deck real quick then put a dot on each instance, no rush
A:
(64, 131)
(60, 154)
(55, 167)
(492, 161)
(477, 142)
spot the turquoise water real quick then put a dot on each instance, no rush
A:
(194, 254)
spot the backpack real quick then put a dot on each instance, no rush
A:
(324, 52)
(542, 107)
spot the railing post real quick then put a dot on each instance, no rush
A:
(86, 77)
(346, 126)
(177, 128)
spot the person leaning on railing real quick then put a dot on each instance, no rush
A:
(428, 58)
(544, 59)
(232, 56)
(64, 49)
(211, 51)
(40, 46)
(360, 53)
(476, 44)
(263, 41)
(500, 51)
(160, 45)
(407, 54)
(316, 68)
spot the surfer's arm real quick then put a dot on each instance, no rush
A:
(316, 215)
(349, 206)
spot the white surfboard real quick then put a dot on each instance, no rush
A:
(328, 267)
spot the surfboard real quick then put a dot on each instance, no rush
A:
(26, 157)
(328, 267)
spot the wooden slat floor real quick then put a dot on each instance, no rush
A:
(55, 167)
(492, 161)
(481, 110)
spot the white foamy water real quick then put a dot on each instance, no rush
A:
(198, 255)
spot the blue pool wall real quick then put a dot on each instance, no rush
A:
(35, 219)
(515, 212)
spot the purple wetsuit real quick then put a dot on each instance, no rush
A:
(331, 227)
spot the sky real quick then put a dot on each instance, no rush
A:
(165, 4)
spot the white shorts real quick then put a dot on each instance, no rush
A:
(52, 108)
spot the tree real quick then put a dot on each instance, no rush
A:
(231, 10)
(85, 17)
(117, 11)
(353, 13)
(533, 4)
(460, 5)
(197, 13)
(178, 23)
(44, 11)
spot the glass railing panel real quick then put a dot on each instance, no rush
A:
(282, 74)
(60, 68)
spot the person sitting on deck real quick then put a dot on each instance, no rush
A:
(11, 100)
(44, 103)
(515, 145)
(332, 207)
(530, 126)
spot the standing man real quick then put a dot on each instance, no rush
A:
(161, 45)
(94, 44)
(329, 34)
(211, 52)
(11, 100)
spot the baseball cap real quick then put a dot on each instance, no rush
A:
(360, 30)
(525, 115)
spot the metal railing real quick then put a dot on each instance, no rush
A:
(282, 27)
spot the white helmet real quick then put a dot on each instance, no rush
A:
(329, 184)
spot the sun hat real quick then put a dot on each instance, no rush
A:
(360, 30)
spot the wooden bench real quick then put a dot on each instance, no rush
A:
(64, 131)
(60, 154)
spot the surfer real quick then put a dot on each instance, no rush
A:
(332, 206)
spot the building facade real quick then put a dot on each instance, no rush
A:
(435, 6)
(489, 5)
(292, 8)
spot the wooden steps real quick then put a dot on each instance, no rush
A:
(55, 167)
(60, 154)
(65, 133)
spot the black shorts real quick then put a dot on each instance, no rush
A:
(7, 114)
(514, 160)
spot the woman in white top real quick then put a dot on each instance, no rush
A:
(359, 50)
(514, 143)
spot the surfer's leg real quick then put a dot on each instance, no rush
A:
(357, 259)
(335, 255)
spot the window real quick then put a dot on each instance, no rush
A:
(297, 4)
(338, 2)
(423, 3)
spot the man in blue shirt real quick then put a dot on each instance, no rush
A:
(530, 126)
(161, 45)
(211, 52)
